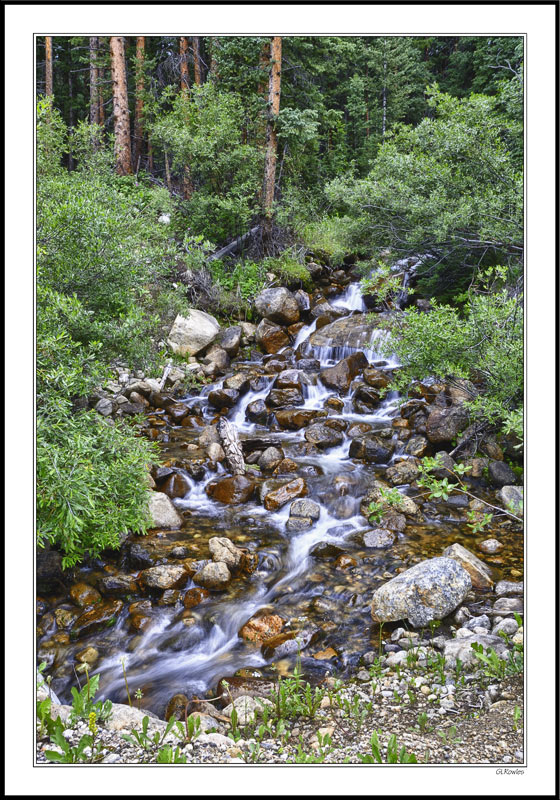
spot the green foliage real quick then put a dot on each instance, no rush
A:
(244, 279)
(448, 188)
(289, 270)
(293, 698)
(497, 667)
(169, 756)
(148, 742)
(73, 754)
(394, 754)
(83, 704)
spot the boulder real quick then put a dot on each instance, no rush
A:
(230, 340)
(164, 576)
(501, 474)
(342, 374)
(481, 575)
(223, 398)
(257, 411)
(462, 648)
(214, 575)
(277, 498)
(248, 708)
(193, 597)
(223, 549)
(305, 508)
(278, 305)
(371, 449)
(427, 591)
(189, 335)
(234, 490)
(217, 359)
(283, 398)
(118, 584)
(84, 595)
(101, 616)
(376, 378)
(271, 337)
(297, 524)
(270, 459)
(445, 423)
(512, 496)
(403, 472)
(261, 627)
(379, 538)
(294, 419)
(163, 512)
(239, 382)
(322, 436)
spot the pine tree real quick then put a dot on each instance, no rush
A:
(120, 107)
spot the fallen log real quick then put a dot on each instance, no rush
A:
(231, 446)
(232, 246)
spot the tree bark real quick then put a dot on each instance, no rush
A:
(48, 66)
(70, 105)
(231, 446)
(183, 63)
(213, 59)
(271, 136)
(120, 107)
(197, 64)
(93, 80)
(139, 109)
(100, 90)
(167, 171)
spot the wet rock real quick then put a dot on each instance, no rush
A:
(297, 524)
(261, 628)
(65, 617)
(376, 378)
(178, 412)
(323, 436)
(305, 508)
(512, 497)
(214, 575)
(215, 452)
(170, 597)
(357, 430)
(139, 557)
(288, 379)
(217, 359)
(278, 305)
(271, 337)
(444, 424)
(102, 616)
(239, 382)
(295, 419)
(189, 335)
(508, 588)
(344, 562)
(447, 464)
(257, 411)
(164, 576)
(490, 447)
(366, 397)
(163, 512)
(270, 459)
(416, 446)
(230, 340)
(175, 486)
(342, 374)
(481, 575)
(461, 648)
(277, 498)
(379, 538)
(84, 595)
(223, 549)
(176, 707)
(286, 466)
(283, 398)
(118, 584)
(303, 299)
(139, 622)
(324, 550)
(223, 398)
(89, 655)
(501, 474)
(287, 644)
(234, 490)
(427, 591)
(194, 597)
(344, 507)
(371, 449)
(490, 546)
(403, 472)
(308, 364)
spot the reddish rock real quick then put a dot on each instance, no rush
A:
(342, 374)
(193, 597)
(271, 337)
(234, 490)
(175, 486)
(279, 497)
(102, 616)
(84, 595)
(261, 628)
(294, 419)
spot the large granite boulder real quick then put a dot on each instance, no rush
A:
(427, 591)
(189, 335)
(163, 512)
(278, 305)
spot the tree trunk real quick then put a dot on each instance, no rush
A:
(197, 64)
(139, 109)
(271, 136)
(100, 89)
(48, 66)
(167, 171)
(183, 63)
(120, 107)
(231, 446)
(384, 121)
(213, 59)
(150, 156)
(93, 80)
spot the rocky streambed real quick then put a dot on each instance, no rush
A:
(244, 574)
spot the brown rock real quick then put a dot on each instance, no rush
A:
(102, 616)
(234, 490)
(444, 424)
(193, 597)
(342, 374)
(271, 337)
(261, 628)
(481, 575)
(294, 419)
(279, 497)
(84, 595)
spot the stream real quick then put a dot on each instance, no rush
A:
(319, 580)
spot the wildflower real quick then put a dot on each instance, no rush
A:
(92, 726)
